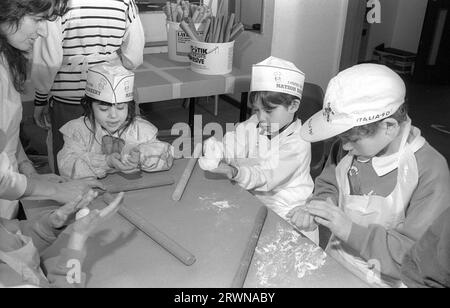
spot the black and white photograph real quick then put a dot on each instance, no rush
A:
(224, 151)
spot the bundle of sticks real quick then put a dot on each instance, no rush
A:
(178, 10)
(220, 29)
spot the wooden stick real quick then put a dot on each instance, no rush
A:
(154, 233)
(206, 29)
(228, 29)
(218, 29)
(223, 29)
(246, 260)
(168, 11)
(188, 31)
(146, 181)
(237, 32)
(177, 194)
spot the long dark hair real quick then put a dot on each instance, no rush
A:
(11, 13)
(88, 114)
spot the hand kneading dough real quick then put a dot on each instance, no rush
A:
(213, 155)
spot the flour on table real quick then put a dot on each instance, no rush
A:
(214, 203)
(277, 257)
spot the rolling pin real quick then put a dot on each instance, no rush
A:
(154, 233)
(176, 196)
(244, 265)
(147, 181)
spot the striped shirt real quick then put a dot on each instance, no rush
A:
(90, 33)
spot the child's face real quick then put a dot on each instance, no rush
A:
(110, 117)
(275, 119)
(366, 147)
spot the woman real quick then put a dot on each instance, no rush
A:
(21, 23)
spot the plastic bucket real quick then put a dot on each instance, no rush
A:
(212, 58)
(179, 43)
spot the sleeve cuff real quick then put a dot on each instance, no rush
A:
(357, 237)
(40, 99)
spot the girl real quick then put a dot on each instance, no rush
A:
(88, 33)
(21, 23)
(266, 154)
(109, 137)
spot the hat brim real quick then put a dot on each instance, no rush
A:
(317, 128)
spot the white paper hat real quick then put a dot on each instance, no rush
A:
(277, 75)
(110, 83)
(360, 95)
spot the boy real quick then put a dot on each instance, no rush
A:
(266, 154)
(383, 184)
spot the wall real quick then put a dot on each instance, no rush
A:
(383, 32)
(310, 34)
(408, 25)
(400, 27)
(252, 47)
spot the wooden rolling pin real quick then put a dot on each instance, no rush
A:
(244, 265)
(145, 181)
(178, 193)
(154, 233)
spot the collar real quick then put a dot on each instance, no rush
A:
(386, 164)
(285, 129)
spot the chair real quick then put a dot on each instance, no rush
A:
(312, 102)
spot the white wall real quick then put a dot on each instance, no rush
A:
(384, 31)
(408, 25)
(400, 27)
(252, 47)
(310, 34)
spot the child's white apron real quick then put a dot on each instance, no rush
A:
(388, 212)
(24, 261)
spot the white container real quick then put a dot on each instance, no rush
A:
(212, 58)
(179, 43)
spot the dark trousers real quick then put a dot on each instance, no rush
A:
(60, 114)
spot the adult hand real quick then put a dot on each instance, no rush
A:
(53, 178)
(41, 117)
(228, 170)
(60, 217)
(115, 162)
(83, 227)
(329, 215)
(69, 191)
(301, 218)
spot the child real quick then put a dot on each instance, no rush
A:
(427, 264)
(266, 154)
(109, 137)
(87, 34)
(383, 184)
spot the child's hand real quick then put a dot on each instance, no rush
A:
(60, 217)
(156, 156)
(114, 161)
(228, 170)
(301, 218)
(332, 217)
(132, 158)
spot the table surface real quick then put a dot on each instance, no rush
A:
(161, 79)
(213, 221)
